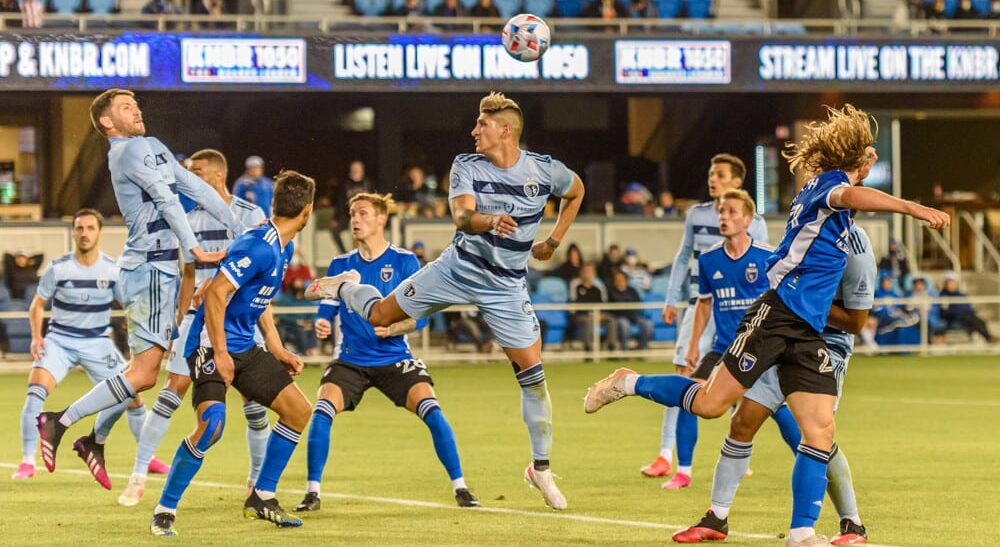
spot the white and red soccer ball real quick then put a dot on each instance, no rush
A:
(526, 37)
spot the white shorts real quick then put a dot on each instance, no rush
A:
(684, 335)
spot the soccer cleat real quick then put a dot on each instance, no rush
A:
(133, 492)
(92, 454)
(465, 498)
(269, 510)
(659, 468)
(24, 471)
(158, 466)
(709, 528)
(606, 391)
(163, 525)
(50, 432)
(545, 482)
(850, 534)
(811, 541)
(329, 287)
(679, 481)
(309, 503)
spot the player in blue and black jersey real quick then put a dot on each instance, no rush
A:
(365, 357)
(497, 201)
(783, 326)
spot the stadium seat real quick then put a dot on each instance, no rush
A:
(660, 284)
(554, 288)
(431, 5)
(371, 8)
(18, 330)
(661, 331)
(65, 6)
(668, 9)
(571, 8)
(541, 8)
(556, 321)
(102, 7)
(699, 9)
(508, 8)
(469, 4)
(982, 7)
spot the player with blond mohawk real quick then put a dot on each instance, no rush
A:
(497, 200)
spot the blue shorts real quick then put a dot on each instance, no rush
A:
(507, 311)
(684, 334)
(767, 391)
(99, 357)
(150, 307)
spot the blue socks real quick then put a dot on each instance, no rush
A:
(154, 428)
(808, 485)
(33, 404)
(536, 410)
(667, 389)
(318, 444)
(788, 427)
(183, 468)
(280, 447)
(687, 437)
(257, 434)
(444, 438)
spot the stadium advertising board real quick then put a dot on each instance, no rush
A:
(476, 63)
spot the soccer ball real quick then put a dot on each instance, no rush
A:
(526, 37)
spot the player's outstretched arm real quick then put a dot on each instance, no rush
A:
(569, 207)
(467, 219)
(872, 200)
(204, 195)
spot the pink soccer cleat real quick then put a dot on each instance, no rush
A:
(92, 454)
(659, 468)
(679, 481)
(158, 466)
(24, 471)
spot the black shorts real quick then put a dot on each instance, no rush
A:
(706, 366)
(258, 376)
(394, 381)
(771, 334)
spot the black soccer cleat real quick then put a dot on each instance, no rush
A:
(269, 510)
(709, 528)
(850, 534)
(163, 525)
(309, 503)
(465, 498)
(50, 431)
(92, 454)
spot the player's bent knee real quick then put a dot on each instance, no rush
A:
(214, 418)
(178, 383)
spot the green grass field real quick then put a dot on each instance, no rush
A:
(920, 434)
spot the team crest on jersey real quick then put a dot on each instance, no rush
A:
(526, 307)
(208, 367)
(747, 361)
(409, 291)
(531, 189)
(103, 283)
(751, 273)
(385, 274)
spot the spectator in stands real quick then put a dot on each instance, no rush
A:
(420, 250)
(32, 11)
(298, 270)
(161, 7)
(450, 8)
(642, 9)
(342, 192)
(570, 269)
(621, 291)
(667, 207)
(20, 271)
(411, 8)
(485, 8)
(636, 270)
(634, 199)
(209, 7)
(611, 261)
(471, 325)
(297, 328)
(585, 290)
(962, 315)
(891, 318)
(935, 325)
(605, 9)
(254, 186)
(417, 197)
(896, 264)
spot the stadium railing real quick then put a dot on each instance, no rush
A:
(436, 352)
(279, 24)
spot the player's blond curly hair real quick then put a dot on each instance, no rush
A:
(506, 110)
(839, 143)
(383, 203)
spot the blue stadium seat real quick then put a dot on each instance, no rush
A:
(571, 8)
(371, 8)
(660, 284)
(431, 5)
(556, 321)
(699, 9)
(508, 8)
(661, 331)
(668, 9)
(469, 4)
(541, 8)
(18, 330)
(554, 288)
(102, 7)
(982, 7)
(65, 6)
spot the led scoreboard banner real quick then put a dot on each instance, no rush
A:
(375, 62)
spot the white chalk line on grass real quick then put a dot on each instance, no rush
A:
(436, 505)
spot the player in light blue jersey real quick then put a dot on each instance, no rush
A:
(146, 179)
(237, 302)
(210, 166)
(848, 314)
(701, 232)
(783, 326)
(82, 286)
(497, 200)
(380, 358)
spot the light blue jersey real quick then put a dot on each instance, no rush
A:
(806, 268)
(146, 180)
(213, 235)
(733, 284)
(521, 192)
(81, 296)
(356, 342)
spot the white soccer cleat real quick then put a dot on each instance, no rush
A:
(545, 482)
(328, 287)
(606, 391)
(811, 541)
(133, 492)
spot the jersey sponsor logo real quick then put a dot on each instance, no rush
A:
(531, 189)
(239, 265)
(409, 291)
(385, 274)
(717, 275)
(752, 273)
(863, 286)
(509, 207)
(747, 361)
